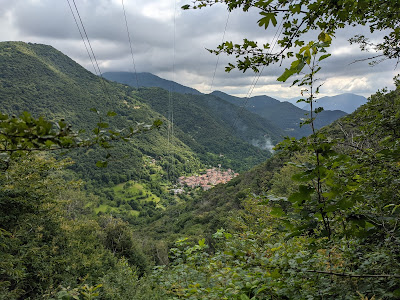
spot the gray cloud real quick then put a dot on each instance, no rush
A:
(151, 24)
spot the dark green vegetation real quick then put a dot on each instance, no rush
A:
(319, 220)
(282, 114)
(43, 81)
(274, 245)
(207, 122)
(298, 229)
(198, 115)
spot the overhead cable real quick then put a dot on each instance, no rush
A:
(102, 80)
(130, 44)
(223, 38)
(257, 77)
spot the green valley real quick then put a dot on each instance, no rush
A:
(130, 186)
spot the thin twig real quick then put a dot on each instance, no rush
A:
(354, 275)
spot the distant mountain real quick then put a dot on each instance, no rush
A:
(282, 114)
(209, 120)
(294, 102)
(346, 102)
(149, 80)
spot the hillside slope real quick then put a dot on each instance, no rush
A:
(373, 126)
(208, 121)
(40, 79)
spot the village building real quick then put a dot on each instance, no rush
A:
(209, 179)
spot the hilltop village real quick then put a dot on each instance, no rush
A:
(206, 181)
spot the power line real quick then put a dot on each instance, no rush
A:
(83, 39)
(257, 77)
(223, 38)
(130, 44)
(102, 80)
(87, 37)
(170, 129)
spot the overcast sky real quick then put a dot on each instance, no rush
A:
(151, 24)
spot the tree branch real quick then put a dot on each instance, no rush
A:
(354, 275)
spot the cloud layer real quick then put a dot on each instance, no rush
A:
(172, 43)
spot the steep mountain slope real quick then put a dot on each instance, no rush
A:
(212, 105)
(283, 114)
(208, 121)
(346, 102)
(39, 79)
(149, 80)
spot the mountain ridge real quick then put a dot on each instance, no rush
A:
(282, 114)
(347, 102)
(146, 79)
(291, 120)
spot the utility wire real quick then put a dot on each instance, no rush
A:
(83, 39)
(223, 38)
(130, 44)
(87, 38)
(171, 133)
(103, 84)
(257, 77)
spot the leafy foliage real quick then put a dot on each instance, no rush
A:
(306, 16)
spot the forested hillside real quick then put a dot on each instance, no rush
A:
(41, 80)
(278, 119)
(273, 232)
(279, 241)
(208, 122)
(346, 102)
(90, 207)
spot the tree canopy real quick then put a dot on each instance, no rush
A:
(303, 16)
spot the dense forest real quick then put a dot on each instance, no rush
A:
(89, 207)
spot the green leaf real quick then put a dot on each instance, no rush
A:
(277, 212)
(111, 113)
(101, 164)
(244, 297)
(102, 125)
(157, 123)
(396, 293)
(324, 56)
(318, 110)
(202, 243)
(286, 75)
(304, 194)
(268, 17)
